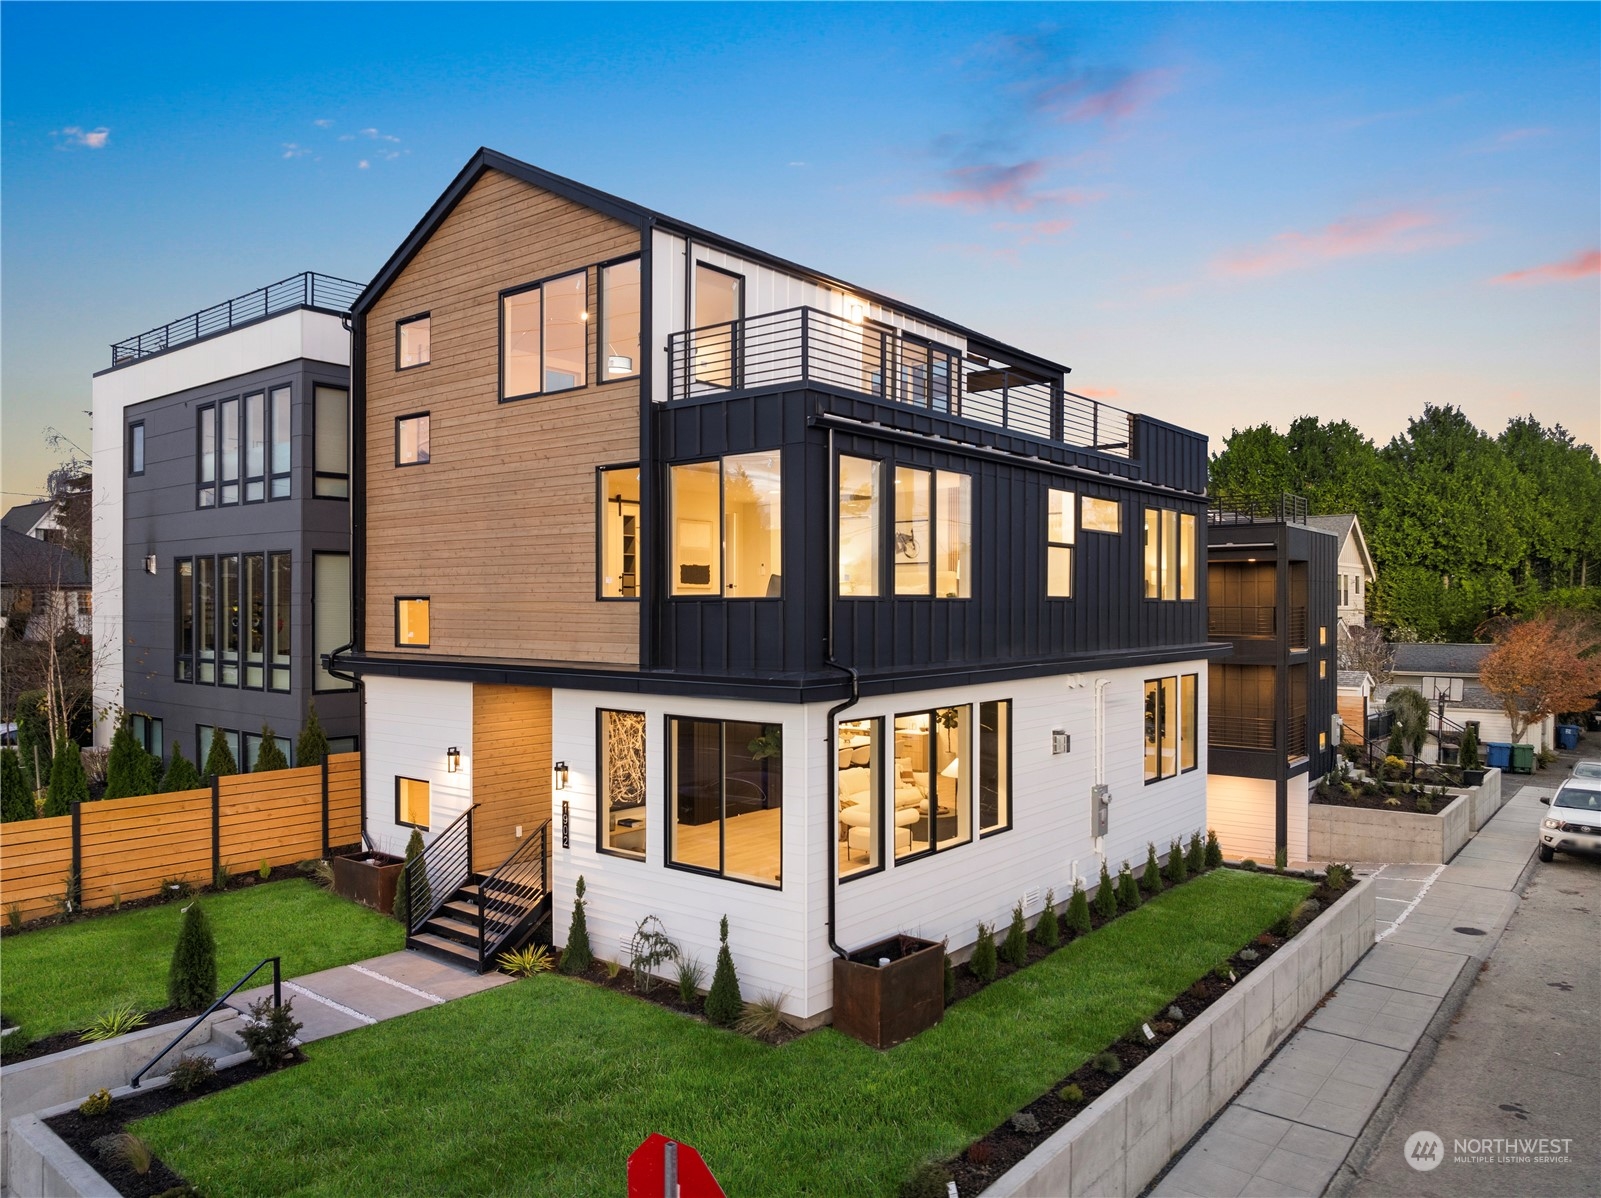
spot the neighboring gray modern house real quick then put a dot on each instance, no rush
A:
(222, 522)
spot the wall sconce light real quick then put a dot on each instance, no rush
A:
(452, 759)
(561, 775)
(150, 563)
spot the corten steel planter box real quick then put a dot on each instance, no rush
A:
(882, 1005)
(369, 879)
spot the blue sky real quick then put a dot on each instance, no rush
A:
(1219, 215)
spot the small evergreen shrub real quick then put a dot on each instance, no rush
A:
(405, 901)
(1151, 881)
(1078, 911)
(1214, 850)
(1469, 755)
(269, 1032)
(270, 756)
(1195, 855)
(311, 748)
(16, 800)
(1128, 891)
(219, 757)
(1396, 746)
(96, 1104)
(982, 964)
(1014, 949)
(193, 1072)
(928, 1180)
(181, 773)
(1424, 804)
(1048, 931)
(264, 870)
(192, 977)
(1281, 858)
(68, 783)
(1176, 870)
(1072, 1092)
(221, 879)
(1107, 1063)
(128, 767)
(723, 1004)
(1338, 876)
(577, 957)
(1105, 895)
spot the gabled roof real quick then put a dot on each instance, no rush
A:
(25, 517)
(1440, 659)
(29, 562)
(645, 219)
(1354, 679)
(1344, 525)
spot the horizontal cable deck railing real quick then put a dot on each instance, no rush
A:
(305, 290)
(1240, 731)
(1248, 509)
(808, 345)
(1253, 620)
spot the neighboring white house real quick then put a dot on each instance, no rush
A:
(37, 520)
(1453, 671)
(1356, 573)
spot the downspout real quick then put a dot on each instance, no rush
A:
(855, 695)
(1100, 748)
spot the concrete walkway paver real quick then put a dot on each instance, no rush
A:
(1289, 1131)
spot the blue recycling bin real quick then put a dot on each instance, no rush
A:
(1567, 736)
(1498, 756)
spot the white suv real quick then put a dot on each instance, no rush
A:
(1573, 825)
(1587, 769)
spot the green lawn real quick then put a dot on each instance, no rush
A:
(58, 979)
(545, 1086)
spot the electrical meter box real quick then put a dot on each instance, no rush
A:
(1100, 809)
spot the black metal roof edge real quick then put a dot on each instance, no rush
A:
(243, 324)
(643, 219)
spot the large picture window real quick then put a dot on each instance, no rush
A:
(933, 533)
(725, 787)
(543, 341)
(617, 558)
(619, 320)
(857, 791)
(1169, 554)
(232, 617)
(1171, 745)
(621, 801)
(727, 527)
(933, 776)
(860, 527)
(1059, 530)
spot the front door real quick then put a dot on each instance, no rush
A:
(511, 767)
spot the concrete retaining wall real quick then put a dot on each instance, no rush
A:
(1485, 799)
(1339, 833)
(1123, 1139)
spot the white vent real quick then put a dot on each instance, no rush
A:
(1031, 900)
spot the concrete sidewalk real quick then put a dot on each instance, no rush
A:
(1290, 1129)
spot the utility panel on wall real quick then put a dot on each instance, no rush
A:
(1061, 742)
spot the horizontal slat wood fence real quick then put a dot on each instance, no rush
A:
(126, 848)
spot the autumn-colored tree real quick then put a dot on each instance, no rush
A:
(1542, 666)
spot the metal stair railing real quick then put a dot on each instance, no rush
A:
(509, 895)
(277, 1001)
(441, 869)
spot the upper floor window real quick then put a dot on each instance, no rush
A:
(543, 345)
(136, 447)
(256, 447)
(411, 440)
(1059, 521)
(243, 449)
(228, 450)
(1101, 515)
(1169, 554)
(719, 304)
(331, 465)
(279, 464)
(412, 341)
(411, 623)
(727, 527)
(617, 556)
(933, 533)
(1171, 744)
(330, 616)
(232, 615)
(860, 527)
(619, 320)
(206, 458)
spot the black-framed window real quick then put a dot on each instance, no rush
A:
(206, 456)
(413, 800)
(228, 608)
(933, 775)
(859, 524)
(331, 442)
(620, 770)
(1169, 554)
(1171, 713)
(544, 336)
(1100, 515)
(136, 448)
(280, 618)
(411, 439)
(254, 617)
(330, 616)
(230, 737)
(232, 616)
(255, 416)
(147, 730)
(725, 799)
(184, 607)
(280, 418)
(228, 456)
(252, 751)
(727, 527)
(1060, 529)
(617, 532)
(933, 536)
(857, 787)
(994, 766)
(206, 619)
(719, 306)
(620, 307)
(412, 622)
(413, 341)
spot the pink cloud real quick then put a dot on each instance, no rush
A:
(1403, 231)
(1580, 266)
(1098, 392)
(992, 185)
(1029, 232)
(1105, 97)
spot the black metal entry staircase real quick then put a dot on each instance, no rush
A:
(470, 917)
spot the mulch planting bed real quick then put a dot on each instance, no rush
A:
(62, 1041)
(665, 994)
(89, 1135)
(1376, 802)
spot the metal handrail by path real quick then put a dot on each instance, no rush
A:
(443, 867)
(277, 1001)
(507, 896)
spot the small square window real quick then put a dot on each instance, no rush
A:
(1101, 515)
(136, 447)
(1323, 634)
(411, 440)
(413, 338)
(411, 803)
(411, 623)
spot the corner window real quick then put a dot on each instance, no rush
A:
(859, 524)
(994, 766)
(411, 623)
(856, 792)
(412, 340)
(412, 803)
(618, 554)
(331, 414)
(544, 347)
(1101, 515)
(619, 320)
(136, 448)
(1059, 544)
(727, 527)
(1170, 726)
(1169, 554)
(621, 801)
(933, 778)
(411, 440)
(725, 787)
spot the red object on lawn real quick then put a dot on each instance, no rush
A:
(663, 1168)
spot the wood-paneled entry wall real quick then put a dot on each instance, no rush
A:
(511, 768)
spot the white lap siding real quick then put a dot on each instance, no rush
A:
(409, 725)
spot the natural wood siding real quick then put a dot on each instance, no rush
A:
(498, 529)
(1354, 712)
(511, 766)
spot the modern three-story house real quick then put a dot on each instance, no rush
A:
(776, 597)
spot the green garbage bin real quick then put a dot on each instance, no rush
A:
(1523, 759)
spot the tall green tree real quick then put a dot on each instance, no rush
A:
(68, 783)
(129, 770)
(16, 800)
(1254, 467)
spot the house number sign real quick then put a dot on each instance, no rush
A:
(566, 824)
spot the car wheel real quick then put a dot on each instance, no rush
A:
(1547, 853)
